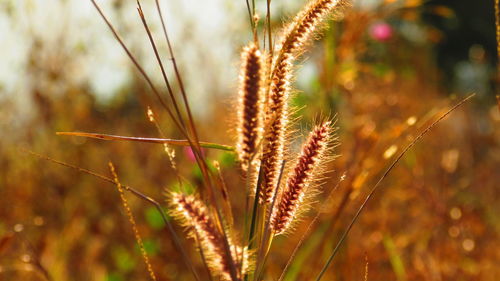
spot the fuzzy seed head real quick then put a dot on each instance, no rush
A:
(305, 24)
(250, 121)
(194, 214)
(299, 179)
(273, 151)
(295, 37)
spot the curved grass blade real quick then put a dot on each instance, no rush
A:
(142, 139)
(377, 185)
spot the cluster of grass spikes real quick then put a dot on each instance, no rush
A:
(280, 183)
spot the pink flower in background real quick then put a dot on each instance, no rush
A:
(190, 154)
(381, 31)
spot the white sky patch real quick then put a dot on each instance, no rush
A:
(206, 36)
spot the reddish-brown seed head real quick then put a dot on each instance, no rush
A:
(296, 36)
(195, 215)
(301, 176)
(250, 125)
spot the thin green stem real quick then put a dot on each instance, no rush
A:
(497, 25)
(254, 214)
(255, 211)
(268, 233)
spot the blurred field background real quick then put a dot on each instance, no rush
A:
(386, 68)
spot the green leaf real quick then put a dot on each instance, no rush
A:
(395, 258)
(114, 276)
(150, 246)
(227, 159)
(196, 171)
(381, 69)
(123, 260)
(154, 218)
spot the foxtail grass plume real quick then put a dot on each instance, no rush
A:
(250, 121)
(295, 37)
(194, 214)
(300, 178)
(305, 24)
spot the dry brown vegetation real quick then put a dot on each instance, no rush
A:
(279, 197)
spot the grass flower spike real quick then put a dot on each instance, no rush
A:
(250, 121)
(194, 214)
(294, 39)
(304, 25)
(304, 173)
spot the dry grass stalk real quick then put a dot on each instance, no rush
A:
(194, 214)
(250, 125)
(132, 222)
(300, 178)
(294, 39)
(168, 150)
